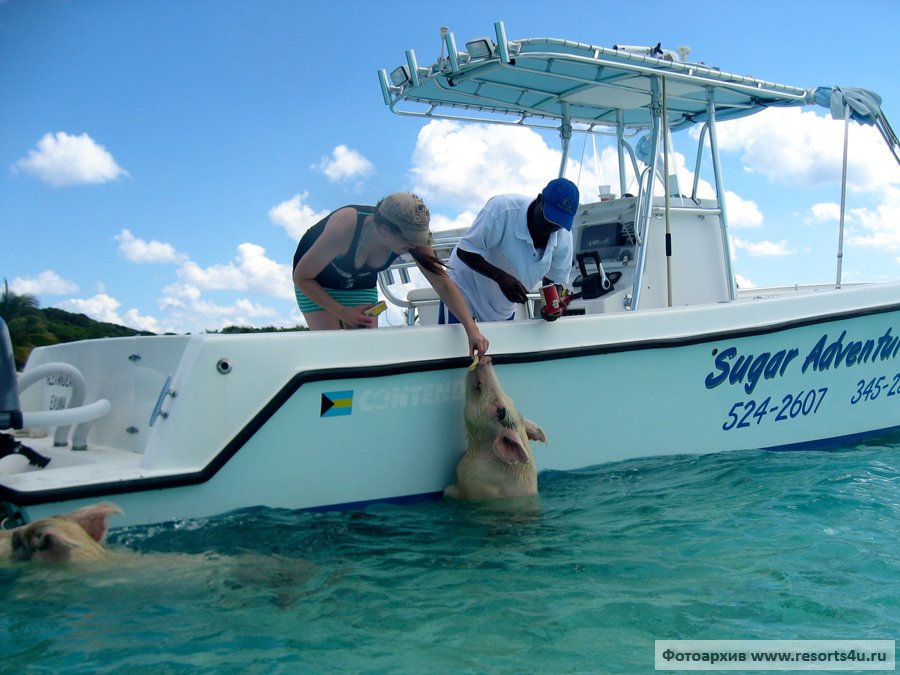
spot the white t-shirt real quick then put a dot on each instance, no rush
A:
(500, 236)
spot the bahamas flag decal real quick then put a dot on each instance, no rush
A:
(336, 403)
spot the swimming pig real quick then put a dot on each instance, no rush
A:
(76, 536)
(498, 460)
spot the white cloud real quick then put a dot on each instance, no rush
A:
(101, 307)
(249, 271)
(141, 251)
(185, 306)
(465, 165)
(61, 159)
(802, 149)
(295, 216)
(184, 309)
(763, 249)
(134, 319)
(741, 212)
(441, 223)
(823, 212)
(798, 147)
(45, 283)
(875, 227)
(345, 163)
(878, 227)
(743, 282)
(187, 312)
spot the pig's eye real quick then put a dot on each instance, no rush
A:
(43, 542)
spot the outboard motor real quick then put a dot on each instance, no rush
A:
(10, 410)
(11, 413)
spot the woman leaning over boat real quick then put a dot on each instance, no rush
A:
(337, 261)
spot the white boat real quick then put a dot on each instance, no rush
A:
(660, 354)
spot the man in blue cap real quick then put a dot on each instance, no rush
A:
(515, 243)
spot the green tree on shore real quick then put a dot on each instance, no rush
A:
(28, 328)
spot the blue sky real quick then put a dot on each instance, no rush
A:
(159, 159)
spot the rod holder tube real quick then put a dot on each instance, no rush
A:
(413, 67)
(452, 54)
(502, 44)
(385, 88)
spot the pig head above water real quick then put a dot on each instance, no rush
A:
(498, 460)
(77, 536)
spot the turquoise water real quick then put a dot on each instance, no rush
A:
(750, 545)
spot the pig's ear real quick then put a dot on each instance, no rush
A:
(94, 519)
(534, 432)
(509, 448)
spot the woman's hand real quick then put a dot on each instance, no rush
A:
(452, 297)
(478, 343)
(356, 317)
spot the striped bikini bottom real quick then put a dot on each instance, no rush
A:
(348, 298)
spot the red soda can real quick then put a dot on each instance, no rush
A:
(551, 300)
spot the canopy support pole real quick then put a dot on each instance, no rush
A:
(840, 253)
(644, 213)
(720, 190)
(565, 135)
(620, 147)
(666, 191)
(700, 143)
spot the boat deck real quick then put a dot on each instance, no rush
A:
(97, 465)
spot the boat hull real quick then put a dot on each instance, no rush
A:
(319, 421)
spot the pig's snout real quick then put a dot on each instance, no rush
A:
(481, 376)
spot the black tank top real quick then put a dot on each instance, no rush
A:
(341, 273)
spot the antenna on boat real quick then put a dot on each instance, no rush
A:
(444, 32)
(448, 40)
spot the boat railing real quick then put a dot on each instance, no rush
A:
(424, 300)
(641, 223)
(399, 273)
(627, 237)
(76, 412)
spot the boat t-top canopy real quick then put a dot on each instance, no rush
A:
(541, 82)
(631, 92)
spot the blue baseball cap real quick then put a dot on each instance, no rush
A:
(560, 202)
